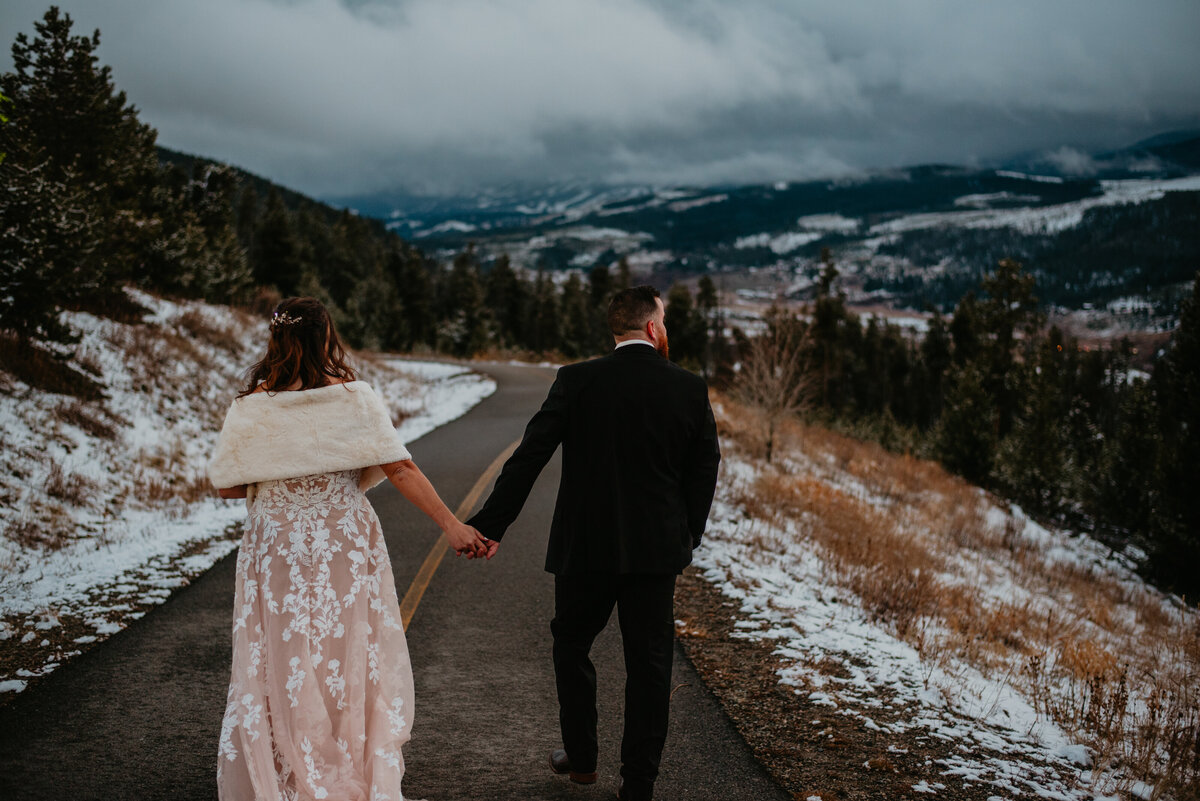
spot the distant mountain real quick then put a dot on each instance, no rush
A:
(293, 200)
(1096, 228)
(1168, 155)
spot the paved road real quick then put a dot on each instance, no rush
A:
(138, 717)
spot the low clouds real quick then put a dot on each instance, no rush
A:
(445, 95)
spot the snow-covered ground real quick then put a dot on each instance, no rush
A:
(1004, 647)
(106, 507)
(1039, 219)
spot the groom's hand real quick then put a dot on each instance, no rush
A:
(492, 546)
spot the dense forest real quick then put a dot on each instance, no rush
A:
(91, 206)
(1135, 249)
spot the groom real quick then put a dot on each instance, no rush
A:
(639, 469)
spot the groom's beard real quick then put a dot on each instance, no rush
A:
(662, 347)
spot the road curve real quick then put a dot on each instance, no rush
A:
(138, 717)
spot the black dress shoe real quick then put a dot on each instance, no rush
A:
(625, 795)
(560, 764)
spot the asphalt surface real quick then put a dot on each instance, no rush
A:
(138, 717)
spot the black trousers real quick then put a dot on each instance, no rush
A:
(646, 612)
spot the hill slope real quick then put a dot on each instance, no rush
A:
(106, 503)
(893, 618)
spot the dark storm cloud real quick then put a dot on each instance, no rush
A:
(347, 97)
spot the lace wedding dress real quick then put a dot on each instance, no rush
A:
(321, 694)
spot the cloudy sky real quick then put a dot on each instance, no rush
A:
(346, 97)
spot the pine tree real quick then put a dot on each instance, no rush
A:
(469, 318)
(1033, 464)
(1175, 537)
(78, 130)
(1126, 486)
(507, 295)
(278, 252)
(376, 313)
(708, 306)
(685, 327)
(965, 333)
(624, 278)
(4, 101)
(576, 318)
(964, 440)
(830, 320)
(545, 333)
(1009, 311)
(247, 217)
(415, 290)
(47, 252)
(600, 293)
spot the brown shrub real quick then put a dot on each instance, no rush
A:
(1105, 657)
(44, 370)
(70, 488)
(77, 413)
(197, 325)
(34, 535)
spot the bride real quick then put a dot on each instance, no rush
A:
(321, 694)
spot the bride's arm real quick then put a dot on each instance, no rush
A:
(232, 493)
(412, 483)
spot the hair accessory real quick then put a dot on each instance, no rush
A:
(283, 318)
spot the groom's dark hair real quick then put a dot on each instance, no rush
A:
(631, 309)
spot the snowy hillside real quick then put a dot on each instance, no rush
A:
(106, 505)
(913, 607)
(904, 239)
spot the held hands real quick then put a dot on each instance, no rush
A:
(467, 541)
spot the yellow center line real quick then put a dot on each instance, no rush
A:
(408, 605)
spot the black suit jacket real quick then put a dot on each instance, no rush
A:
(640, 459)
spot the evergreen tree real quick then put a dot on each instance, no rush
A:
(1010, 310)
(1126, 487)
(624, 278)
(964, 440)
(685, 327)
(1032, 463)
(247, 217)
(545, 333)
(415, 292)
(507, 295)
(965, 330)
(47, 252)
(829, 321)
(600, 293)
(1174, 548)
(79, 131)
(4, 101)
(375, 313)
(470, 321)
(278, 255)
(936, 359)
(708, 307)
(576, 319)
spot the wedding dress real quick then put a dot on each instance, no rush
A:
(321, 694)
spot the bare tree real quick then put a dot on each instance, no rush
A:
(775, 378)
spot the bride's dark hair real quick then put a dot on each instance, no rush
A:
(303, 347)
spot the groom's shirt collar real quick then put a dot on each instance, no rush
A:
(633, 342)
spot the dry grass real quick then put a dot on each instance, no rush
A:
(198, 326)
(1108, 659)
(36, 534)
(43, 370)
(70, 488)
(85, 417)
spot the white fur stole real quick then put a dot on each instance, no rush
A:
(270, 436)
